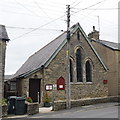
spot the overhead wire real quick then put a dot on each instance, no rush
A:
(29, 7)
(37, 4)
(32, 13)
(53, 5)
(37, 28)
(29, 14)
(15, 27)
(41, 9)
(87, 8)
(26, 7)
(98, 21)
(99, 8)
(91, 12)
(55, 2)
(90, 6)
(76, 4)
(59, 18)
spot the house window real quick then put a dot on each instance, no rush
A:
(13, 86)
(71, 71)
(79, 66)
(88, 72)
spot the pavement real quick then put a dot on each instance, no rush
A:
(42, 110)
(48, 111)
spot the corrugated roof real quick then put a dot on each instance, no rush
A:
(45, 55)
(3, 33)
(111, 45)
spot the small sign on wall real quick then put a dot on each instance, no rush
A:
(105, 81)
(48, 87)
(54, 86)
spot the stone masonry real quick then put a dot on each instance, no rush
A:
(57, 68)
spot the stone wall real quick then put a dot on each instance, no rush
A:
(32, 108)
(59, 105)
(4, 110)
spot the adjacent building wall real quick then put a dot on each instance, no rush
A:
(110, 57)
(2, 66)
(3, 39)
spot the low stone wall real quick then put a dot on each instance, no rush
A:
(32, 108)
(59, 105)
(4, 110)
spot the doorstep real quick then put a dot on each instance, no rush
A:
(45, 109)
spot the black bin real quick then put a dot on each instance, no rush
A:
(11, 104)
(20, 106)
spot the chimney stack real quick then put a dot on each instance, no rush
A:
(94, 34)
(93, 28)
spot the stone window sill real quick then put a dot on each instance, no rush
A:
(89, 83)
(81, 83)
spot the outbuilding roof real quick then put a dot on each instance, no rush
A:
(3, 33)
(111, 45)
(45, 55)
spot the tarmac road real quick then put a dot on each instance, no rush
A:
(107, 110)
(104, 110)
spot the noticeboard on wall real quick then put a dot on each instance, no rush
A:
(48, 87)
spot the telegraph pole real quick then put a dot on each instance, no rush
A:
(68, 103)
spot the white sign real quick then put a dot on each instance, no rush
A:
(49, 87)
(60, 86)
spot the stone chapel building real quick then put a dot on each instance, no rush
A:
(93, 69)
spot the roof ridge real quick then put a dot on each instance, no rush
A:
(109, 41)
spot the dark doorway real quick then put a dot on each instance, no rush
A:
(34, 89)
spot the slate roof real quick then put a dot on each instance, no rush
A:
(7, 77)
(111, 45)
(41, 57)
(45, 55)
(3, 33)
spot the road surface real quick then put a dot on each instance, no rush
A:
(104, 110)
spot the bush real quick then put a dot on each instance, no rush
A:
(46, 98)
(29, 99)
(3, 101)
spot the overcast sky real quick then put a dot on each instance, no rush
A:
(31, 24)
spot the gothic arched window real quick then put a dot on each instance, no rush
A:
(79, 65)
(71, 71)
(88, 72)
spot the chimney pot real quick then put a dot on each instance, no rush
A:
(94, 34)
(93, 28)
